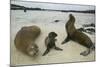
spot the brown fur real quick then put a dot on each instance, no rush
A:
(50, 43)
(77, 36)
(24, 40)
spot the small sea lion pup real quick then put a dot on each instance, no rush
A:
(50, 42)
(24, 40)
(77, 36)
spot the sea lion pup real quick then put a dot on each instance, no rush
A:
(77, 36)
(24, 40)
(50, 42)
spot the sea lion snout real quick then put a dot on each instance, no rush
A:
(32, 50)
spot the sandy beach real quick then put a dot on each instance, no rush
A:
(45, 20)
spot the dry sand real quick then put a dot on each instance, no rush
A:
(45, 20)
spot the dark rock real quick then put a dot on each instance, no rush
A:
(89, 25)
(56, 20)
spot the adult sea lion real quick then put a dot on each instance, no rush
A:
(24, 40)
(77, 36)
(50, 42)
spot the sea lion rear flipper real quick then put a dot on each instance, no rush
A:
(66, 40)
(85, 53)
(88, 51)
(57, 48)
(46, 52)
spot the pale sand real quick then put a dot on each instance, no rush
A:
(45, 20)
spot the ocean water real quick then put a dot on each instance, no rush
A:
(46, 21)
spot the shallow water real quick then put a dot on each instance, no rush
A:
(45, 20)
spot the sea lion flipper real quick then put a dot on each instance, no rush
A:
(66, 40)
(46, 52)
(57, 48)
(85, 53)
(88, 51)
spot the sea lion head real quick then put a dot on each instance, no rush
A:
(32, 49)
(72, 18)
(52, 34)
(70, 15)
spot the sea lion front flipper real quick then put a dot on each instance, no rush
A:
(57, 48)
(66, 40)
(46, 52)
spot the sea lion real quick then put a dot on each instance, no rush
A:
(77, 36)
(24, 40)
(50, 42)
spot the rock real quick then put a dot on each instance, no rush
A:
(56, 20)
(89, 25)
